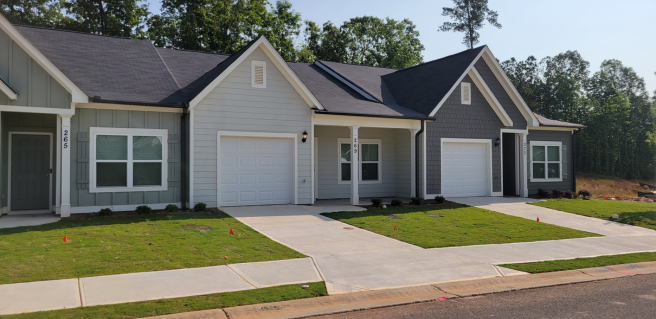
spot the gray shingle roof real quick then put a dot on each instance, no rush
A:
(367, 78)
(547, 122)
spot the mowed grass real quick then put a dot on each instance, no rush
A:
(632, 213)
(116, 245)
(460, 225)
(179, 305)
(580, 263)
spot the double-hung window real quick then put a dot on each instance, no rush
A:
(546, 161)
(128, 160)
(370, 161)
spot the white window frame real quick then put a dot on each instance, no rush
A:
(378, 142)
(546, 161)
(462, 93)
(255, 63)
(129, 132)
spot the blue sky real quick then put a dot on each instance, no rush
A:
(598, 29)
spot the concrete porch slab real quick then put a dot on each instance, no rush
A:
(11, 221)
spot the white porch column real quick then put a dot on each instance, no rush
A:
(65, 165)
(355, 165)
(524, 167)
(413, 162)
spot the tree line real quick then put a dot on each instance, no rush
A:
(613, 102)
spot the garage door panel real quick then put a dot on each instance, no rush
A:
(464, 169)
(256, 171)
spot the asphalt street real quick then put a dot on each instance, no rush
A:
(628, 297)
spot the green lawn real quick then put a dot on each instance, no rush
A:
(179, 305)
(579, 263)
(116, 245)
(632, 213)
(460, 225)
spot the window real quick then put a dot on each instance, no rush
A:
(546, 161)
(369, 158)
(465, 93)
(128, 160)
(258, 70)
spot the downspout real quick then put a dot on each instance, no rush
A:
(417, 159)
(183, 149)
(574, 157)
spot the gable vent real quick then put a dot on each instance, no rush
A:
(465, 93)
(258, 70)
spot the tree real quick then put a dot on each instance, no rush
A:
(281, 26)
(39, 13)
(123, 18)
(469, 16)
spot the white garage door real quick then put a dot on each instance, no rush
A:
(464, 169)
(256, 171)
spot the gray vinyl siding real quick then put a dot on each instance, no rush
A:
(26, 122)
(34, 84)
(567, 156)
(235, 106)
(395, 163)
(456, 120)
(519, 122)
(81, 123)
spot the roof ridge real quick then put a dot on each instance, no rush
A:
(440, 59)
(78, 32)
(194, 51)
(353, 64)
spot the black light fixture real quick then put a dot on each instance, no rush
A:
(304, 139)
(497, 142)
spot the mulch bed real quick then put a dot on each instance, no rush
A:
(160, 212)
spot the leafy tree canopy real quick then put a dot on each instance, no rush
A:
(469, 17)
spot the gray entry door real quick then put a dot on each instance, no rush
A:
(30, 172)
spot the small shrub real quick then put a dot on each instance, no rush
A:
(542, 193)
(585, 194)
(571, 195)
(396, 202)
(557, 194)
(200, 207)
(439, 199)
(172, 208)
(416, 200)
(144, 210)
(105, 212)
(376, 202)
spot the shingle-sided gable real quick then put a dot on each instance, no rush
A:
(500, 93)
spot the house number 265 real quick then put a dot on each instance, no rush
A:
(355, 145)
(65, 139)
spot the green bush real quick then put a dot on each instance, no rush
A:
(172, 208)
(416, 200)
(376, 202)
(439, 199)
(200, 207)
(105, 212)
(396, 202)
(144, 210)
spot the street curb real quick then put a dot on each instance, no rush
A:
(301, 308)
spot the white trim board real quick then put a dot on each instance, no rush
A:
(488, 143)
(8, 91)
(489, 97)
(277, 60)
(125, 107)
(34, 109)
(219, 134)
(77, 95)
(553, 128)
(9, 166)
(347, 121)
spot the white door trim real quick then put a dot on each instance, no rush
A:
(315, 173)
(292, 136)
(11, 133)
(488, 150)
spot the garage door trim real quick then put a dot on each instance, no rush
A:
(293, 137)
(488, 156)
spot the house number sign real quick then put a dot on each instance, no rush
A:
(355, 145)
(524, 148)
(65, 138)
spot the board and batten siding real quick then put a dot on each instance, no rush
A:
(395, 144)
(81, 123)
(235, 106)
(566, 155)
(457, 120)
(35, 86)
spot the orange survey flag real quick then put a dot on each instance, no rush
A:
(232, 232)
(65, 239)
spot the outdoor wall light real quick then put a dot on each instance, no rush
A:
(497, 142)
(304, 139)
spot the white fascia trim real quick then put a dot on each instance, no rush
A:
(8, 91)
(117, 208)
(277, 60)
(41, 110)
(455, 85)
(343, 80)
(345, 120)
(219, 134)
(489, 97)
(509, 87)
(516, 131)
(553, 128)
(108, 106)
(487, 142)
(77, 94)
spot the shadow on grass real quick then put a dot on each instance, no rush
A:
(644, 219)
(113, 220)
(392, 211)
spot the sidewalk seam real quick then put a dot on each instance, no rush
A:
(316, 267)
(446, 292)
(240, 276)
(79, 291)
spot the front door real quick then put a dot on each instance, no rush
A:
(30, 172)
(509, 165)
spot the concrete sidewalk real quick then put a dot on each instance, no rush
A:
(11, 221)
(114, 289)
